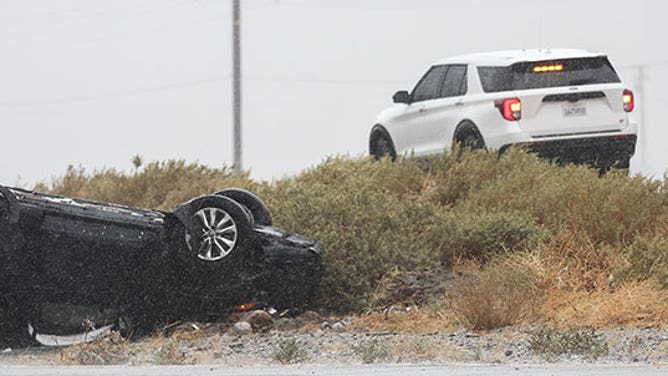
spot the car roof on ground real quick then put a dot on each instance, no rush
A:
(505, 58)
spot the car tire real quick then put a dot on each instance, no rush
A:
(623, 163)
(468, 137)
(259, 213)
(219, 229)
(381, 146)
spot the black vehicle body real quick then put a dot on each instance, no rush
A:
(113, 261)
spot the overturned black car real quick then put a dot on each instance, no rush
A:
(70, 265)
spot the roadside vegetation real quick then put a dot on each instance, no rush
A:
(527, 241)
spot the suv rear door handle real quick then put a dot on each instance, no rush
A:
(422, 109)
(459, 103)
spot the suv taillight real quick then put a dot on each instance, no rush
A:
(628, 101)
(510, 108)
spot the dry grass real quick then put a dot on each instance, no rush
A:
(113, 349)
(415, 320)
(373, 350)
(574, 261)
(425, 348)
(503, 293)
(635, 304)
(290, 351)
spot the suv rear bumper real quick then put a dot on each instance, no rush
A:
(600, 152)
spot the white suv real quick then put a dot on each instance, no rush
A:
(568, 105)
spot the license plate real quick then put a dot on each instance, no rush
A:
(573, 109)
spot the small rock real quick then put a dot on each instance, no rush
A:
(325, 325)
(338, 326)
(394, 310)
(7, 350)
(242, 328)
(259, 320)
(508, 352)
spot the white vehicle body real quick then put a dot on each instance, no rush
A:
(563, 95)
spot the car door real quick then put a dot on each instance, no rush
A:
(409, 128)
(445, 112)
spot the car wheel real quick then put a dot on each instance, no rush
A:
(469, 138)
(219, 227)
(623, 163)
(257, 209)
(381, 147)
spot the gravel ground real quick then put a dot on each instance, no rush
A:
(329, 343)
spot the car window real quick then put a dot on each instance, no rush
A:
(572, 72)
(455, 82)
(430, 84)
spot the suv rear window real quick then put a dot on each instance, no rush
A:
(571, 72)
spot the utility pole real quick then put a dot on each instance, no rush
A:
(642, 132)
(236, 82)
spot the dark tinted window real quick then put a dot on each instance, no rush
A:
(455, 82)
(574, 72)
(495, 79)
(430, 84)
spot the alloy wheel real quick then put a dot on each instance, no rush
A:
(215, 235)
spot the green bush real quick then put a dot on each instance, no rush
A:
(645, 259)
(611, 209)
(485, 236)
(374, 216)
(159, 185)
(369, 216)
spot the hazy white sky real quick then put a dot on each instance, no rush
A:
(94, 82)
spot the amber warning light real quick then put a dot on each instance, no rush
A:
(548, 68)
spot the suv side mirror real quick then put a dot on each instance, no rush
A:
(401, 96)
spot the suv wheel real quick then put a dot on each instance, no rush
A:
(469, 138)
(381, 146)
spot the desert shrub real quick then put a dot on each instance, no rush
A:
(374, 216)
(572, 260)
(289, 351)
(504, 293)
(645, 259)
(370, 218)
(455, 177)
(631, 304)
(372, 351)
(158, 185)
(611, 209)
(481, 237)
(583, 341)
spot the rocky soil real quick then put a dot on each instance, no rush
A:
(260, 339)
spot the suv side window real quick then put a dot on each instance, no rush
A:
(455, 82)
(430, 84)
